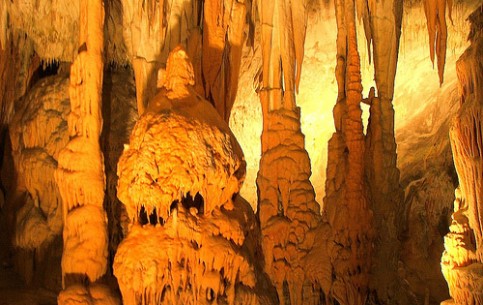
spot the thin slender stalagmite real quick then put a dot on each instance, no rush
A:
(346, 203)
(384, 31)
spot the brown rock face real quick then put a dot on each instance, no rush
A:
(462, 261)
(190, 241)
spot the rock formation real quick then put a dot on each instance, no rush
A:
(387, 197)
(80, 173)
(37, 137)
(462, 261)
(190, 239)
(346, 203)
(175, 230)
(213, 32)
(289, 216)
(435, 11)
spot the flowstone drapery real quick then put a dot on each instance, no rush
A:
(80, 173)
(462, 261)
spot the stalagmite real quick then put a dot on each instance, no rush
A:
(385, 20)
(190, 240)
(346, 202)
(288, 213)
(80, 174)
(164, 223)
(151, 30)
(435, 11)
(462, 261)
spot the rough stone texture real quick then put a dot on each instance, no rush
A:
(37, 138)
(346, 191)
(38, 132)
(287, 210)
(289, 215)
(462, 261)
(212, 32)
(190, 241)
(384, 31)
(80, 173)
(57, 39)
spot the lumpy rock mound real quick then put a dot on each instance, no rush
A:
(191, 240)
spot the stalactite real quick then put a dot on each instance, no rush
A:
(80, 174)
(435, 11)
(346, 193)
(462, 261)
(223, 37)
(283, 25)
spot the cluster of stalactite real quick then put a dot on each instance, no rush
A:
(462, 261)
(435, 11)
(213, 32)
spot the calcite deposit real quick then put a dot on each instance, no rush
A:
(189, 240)
(122, 182)
(462, 261)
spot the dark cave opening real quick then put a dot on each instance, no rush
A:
(189, 202)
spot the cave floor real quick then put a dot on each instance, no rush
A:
(14, 292)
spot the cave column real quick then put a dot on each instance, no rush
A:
(80, 174)
(286, 204)
(387, 196)
(346, 202)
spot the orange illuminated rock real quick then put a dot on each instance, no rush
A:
(462, 261)
(223, 37)
(294, 238)
(151, 29)
(190, 239)
(435, 11)
(346, 203)
(80, 173)
(37, 138)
